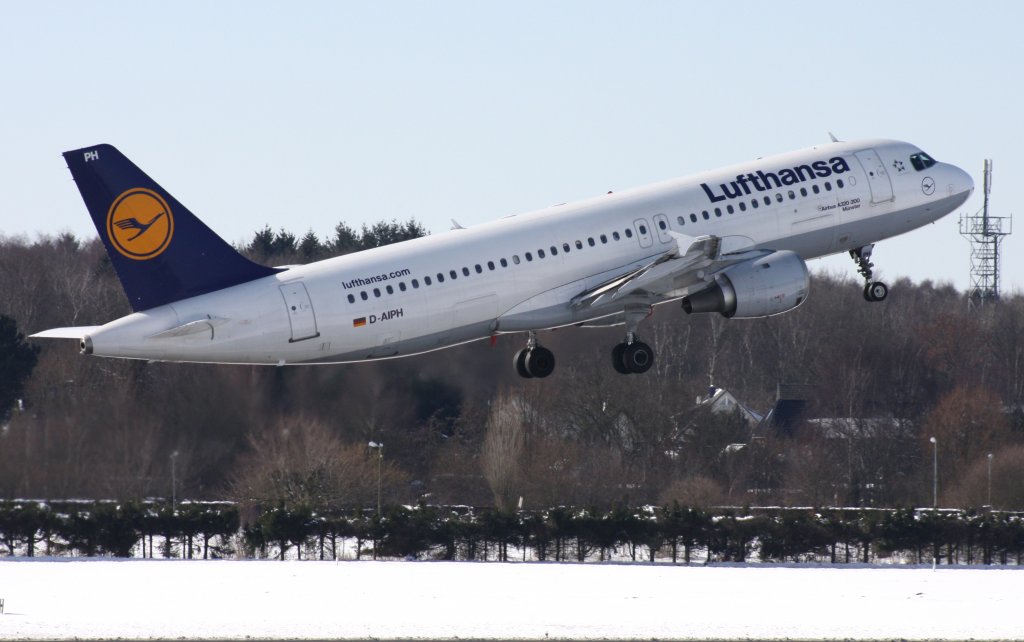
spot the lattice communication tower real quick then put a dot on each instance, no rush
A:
(985, 233)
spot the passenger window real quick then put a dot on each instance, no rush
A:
(440, 278)
(376, 292)
(465, 271)
(754, 203)
(426, 280)
(515, 259)
(718, 212)
(815, 189)
(680, 220)
(792, 195)
(629, 233)
(767, 200)
(479, 270)
(503, 262)
(615, 235)
(729, 208)
(579, 245)
(743, 206)
(363, 295)
(839, 183)
(643, 229)
(828, 186)
(554, 250)
(401, 286)
(705, 215)
(778, 197)
(529, 256)
(693, 218)
(540, 254)
(453, 274)
(390, 289)
(590, 241)
(490, 265)
(351, 298)
(604, 238)
(565, 247)
(415, 284)
(661, 224)
(803, 191)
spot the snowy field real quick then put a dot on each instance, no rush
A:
(447, 600)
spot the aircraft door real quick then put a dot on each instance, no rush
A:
(300, 311)
(878, 178)
(643, 232)
(661, 227)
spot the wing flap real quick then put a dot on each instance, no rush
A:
(689, 254)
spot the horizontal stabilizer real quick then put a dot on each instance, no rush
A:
(66, 333)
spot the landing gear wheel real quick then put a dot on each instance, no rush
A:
(617, 362)
(540, 362)
(876, 291)
(519, 361)
(638, 357)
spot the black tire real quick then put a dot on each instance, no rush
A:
(617, 362)
(638, 357)
(867, 292)
(877, 291)
(519, 362)
(540, 362)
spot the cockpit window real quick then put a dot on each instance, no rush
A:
(921, 161)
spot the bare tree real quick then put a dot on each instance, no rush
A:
(501, 458)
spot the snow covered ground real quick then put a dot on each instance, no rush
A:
(233, 599)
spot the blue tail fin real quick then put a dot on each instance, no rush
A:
(161, 251)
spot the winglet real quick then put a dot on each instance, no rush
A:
(160, 250)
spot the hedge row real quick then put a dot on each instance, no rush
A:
(675, 533)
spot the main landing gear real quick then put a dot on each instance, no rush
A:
(874, 291)
(633, 356)
(534, 360)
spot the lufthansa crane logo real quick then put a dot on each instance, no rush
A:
(928, 186)
(139, 224)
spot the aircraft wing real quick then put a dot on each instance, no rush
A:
(671, 271)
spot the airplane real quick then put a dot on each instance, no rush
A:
(732, 241)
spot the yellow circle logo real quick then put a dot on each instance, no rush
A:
(139, 224)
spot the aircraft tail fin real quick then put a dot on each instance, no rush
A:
(160, 250)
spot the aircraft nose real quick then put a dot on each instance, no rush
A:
(963, 182)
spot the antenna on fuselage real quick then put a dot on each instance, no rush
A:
(833, 137)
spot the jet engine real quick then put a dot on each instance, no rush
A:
(760, 287)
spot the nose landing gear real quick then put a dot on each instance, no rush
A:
(874, 291)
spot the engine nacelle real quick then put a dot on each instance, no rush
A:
(760, 287)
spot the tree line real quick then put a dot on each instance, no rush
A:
(459, 427)
(640, 534)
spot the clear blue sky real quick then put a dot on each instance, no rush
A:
(300, 115)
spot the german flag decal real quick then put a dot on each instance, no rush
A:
(358, 323)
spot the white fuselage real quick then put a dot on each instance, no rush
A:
(521, 272)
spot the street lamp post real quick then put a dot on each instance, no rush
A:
(174, 482)
(990, 481)
(935, 473)
(380, 462)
